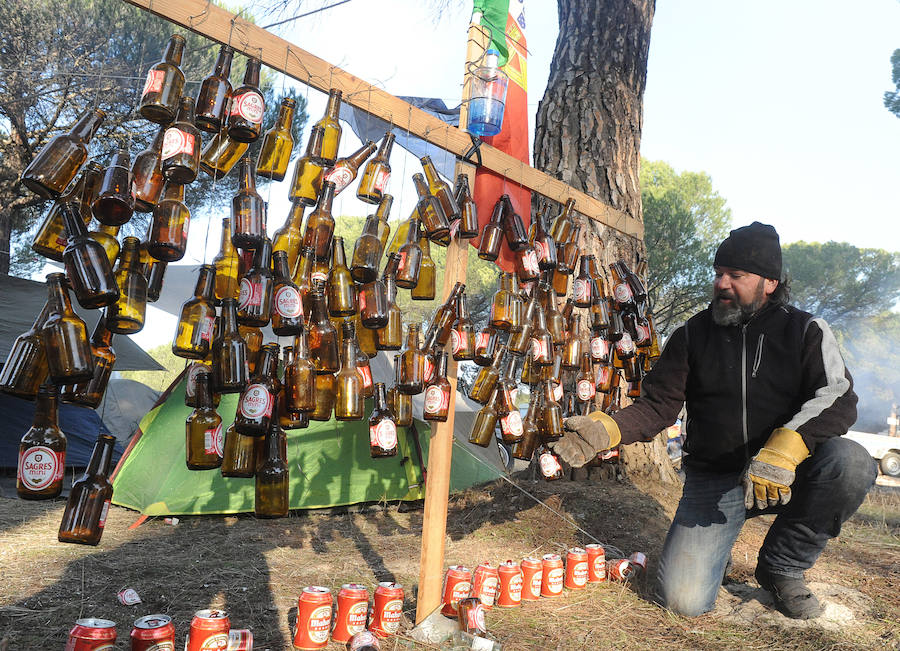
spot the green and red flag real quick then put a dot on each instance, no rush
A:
(504, 21)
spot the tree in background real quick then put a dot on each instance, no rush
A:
(892, 97)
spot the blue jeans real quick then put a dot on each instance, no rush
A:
(829, 487)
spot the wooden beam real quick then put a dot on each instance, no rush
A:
(219, 25)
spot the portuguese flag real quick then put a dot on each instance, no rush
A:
(504, 20)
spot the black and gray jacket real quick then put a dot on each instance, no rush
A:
(782, 368)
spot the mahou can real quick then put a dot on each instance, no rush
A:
(209, 631)
(551, 575)
(153, 633)
(240, 639)
(313, 618)
(485, 582)
(352, 610)
(92, 634)
(457, 585)
(386, 609)
(364, 641)
(509, 594)
(532, 576)
(576, 568)
(596, 563)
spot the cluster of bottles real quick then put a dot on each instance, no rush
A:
(569, 358)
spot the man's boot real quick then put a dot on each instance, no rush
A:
(792, 596)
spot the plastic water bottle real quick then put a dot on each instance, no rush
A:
(487, 99)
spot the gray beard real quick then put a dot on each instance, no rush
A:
(734, 314)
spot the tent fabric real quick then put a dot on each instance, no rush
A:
(124, 405)
(21, 301)
(80, 425)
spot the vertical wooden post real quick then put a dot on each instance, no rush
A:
(440, 449)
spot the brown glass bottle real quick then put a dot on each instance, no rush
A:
(544, 245)
(562, 226)
(492, 235)
(289, 238)
(126, 315)
(511, 430)
(367, 253)
(247, 106)
(621, 289)
(325, 150)
(426, 288)
(181, 145)
(114, 204)
(441, 325)
(239, 455)
(219, 156)
(248, 211)
(287, 304)
(215, 91)
(430, 212)
(410, 262)
(146, 174)
(303, 279)
(57, 163)
(399, 403)
(90, 393)
(524, 448)
(229, 353)
(438, 392)
(272, 477)
(468, 211)
(373, 306)
(341, 289)
(64, 337)
(382, 426)
(226, 265)
(568, 252)
(585, 387)
(194, 334)
(277, 144)
(513, 227)
(487, 378)
(320, 224)
(299, 376)
(253, 337)
(325, 396)
(541, 342)
(412, 364)
(346, 169)
(550, 418)
(502, 304)
(50, 240)
(257, 288)
(88, 504)
(378, 170)
(486, 341)
(203, 430)
(349, 403)
(87, 266)
(365, 336)
(308, 172)
(26, 365)
(548, 462)
(389, 336)
(167, 238)
(462, 336)
(165, 81)
(441, 191)
(42, 451)
(323, 343)
(256, 404)
(382, 213)
(485, 422)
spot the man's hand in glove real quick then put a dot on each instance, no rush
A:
(584, 437)
(770, 474)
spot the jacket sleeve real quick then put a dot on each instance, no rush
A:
(830, 408)
(662, 394)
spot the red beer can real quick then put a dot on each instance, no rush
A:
(510, 592)
(240, 639)
(352, 610)
(92, 634)
(485, 582)
(364, 640)
(457, 585)
(551, 575)
(313, 618)
(576, 568)
(621, 569)
(596, 563)
(153, 632)
(209, 631)
(532, 572)
(387, 609)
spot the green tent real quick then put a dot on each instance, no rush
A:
(329, 465)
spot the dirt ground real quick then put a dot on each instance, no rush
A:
(256, 569)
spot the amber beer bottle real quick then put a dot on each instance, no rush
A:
(90, 393)
(367, 253)
(257, 287)
(568, 252)
(378, 170)
(203, 429)
(544, 245)
(441, 191)
(26, 365)
(622, 292)
(430, 212)
(382, 426)
(277, 144)
(308, 172)
(248, 212)
(325, 150)
(345, 169)
(438, 392)
(468, 212)
(146, 174)
(486, 341)
(426, 287)
(492, 235)
(399, 403)
(272, 477)
(239, 455)
(562, 227)
(438, 333)
(520, 336)
(221, 154)
(485, 422)
(167, 239)
(42, 451)
(548, 462)
(513, 226)
(256, 404)
(289, 238)
(325, 396)
(247, 106)
(165, 81)
(549, 423)
(342, 299)
(226, 264)
(88, 503)
(374, 305)
(194, 334)
(114, 204)
(349, 403)
(87, 266)
(287, 305)
(487, 378)
(126, 315)
(50, 240)
(383, 213)
(320, 224)
(300, 376)
(229, 353)
(462, 337)
(57, 163)
(215, 91)
(64, 337)
(323, 344)
(412, 364)
(410, 262)
(181, 146)
(502, 304)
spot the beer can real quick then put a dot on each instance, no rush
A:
(364, 640)
(92, 634)
(240, 639)
(386, 609)
(153, 632)
(209, 630)
(313, 618)
(576, 568)
(551, 575)
(484, 584)
(457, 585)
(509, 594)
(352, 611)
(596, 563)
(532, 576)
(621, 569)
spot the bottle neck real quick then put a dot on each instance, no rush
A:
(380, 397)
(412, 338)
(45, 413)
(339, 256)
(206, 283)
(430, 173)
(87, 125)
(101, 456)
(384, 152)
(326, 197)
(497, 215)
(414, 233)
(301, 346)
(223, 62)
(498, 358)
(440, 368)
(281, 266)
(72, 221)
(462, 187)
(268, 364)
(59, 294)
(101, 337)
(251, 73)
(462, 308)
(360, 155)
(334, 104)
(384, 208)
(204, 400)
(421, 186)
(185, 111)
(348, 352)
(229, 317)
(319, 309)
(247, 177)
(227, 247)
(390, 267)
(286, 114)
(273, 440)
(262, 260)
(174, 51)
(173, 192)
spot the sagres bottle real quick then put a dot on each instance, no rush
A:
(487, 378)
(367, 253)
(239, 455)
(349, 403)
(289, 238)
(299, 376)
(194, 334)
(126, 315)
(90, 393)
(548, 462)
(574, 345)
(221, 154)
(168, 234)
(440, 190)
(226, 266)
(165, 81)
(544, 245)
(410, 258)
(541, 342)
(257, 401)
(585, 387)
(42, 451)
(57, 163)
(468, 212)
(87, 266)
(412, 364)
(382, 426)
(181, 146)
(247, 106)
(485, 422)
(277, 144)
(248, 212)
(272, 477)
(257, 287)
(114, 204)
(146, 174)
(203, 430)
(287, 304)
(492, 235)
(568, 252)
(325, 150)
(51, 240)
(345, 170)
(462, 337)
(340, 286)
(64, 337)
(323, 342)
(426, 287)
(215, 91)
(378, 170)
(229, 353)
(26, 365)
(400, 403)
(511, 430)
(320, 224)
(88, 503)
(437, 393)
(430, 212)
(308, 172)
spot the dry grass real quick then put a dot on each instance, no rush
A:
(256, 569)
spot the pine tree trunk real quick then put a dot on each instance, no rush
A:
(588, 134)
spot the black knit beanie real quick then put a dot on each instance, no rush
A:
(754, 248)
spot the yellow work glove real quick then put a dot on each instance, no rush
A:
(771, 472)
(584, 436)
